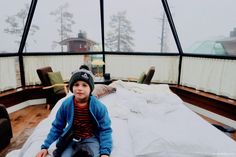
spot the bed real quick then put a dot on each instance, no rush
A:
(147, 121)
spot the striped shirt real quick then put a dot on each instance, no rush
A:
(83, 125)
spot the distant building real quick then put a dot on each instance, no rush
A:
(220, 46)
(80, 44)
(230, 43)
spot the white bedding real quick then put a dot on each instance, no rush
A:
(148, 121)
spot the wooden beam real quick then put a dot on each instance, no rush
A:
(13, 97)
(211, 102)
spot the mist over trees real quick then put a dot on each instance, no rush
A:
(65, 20)
(119, 38)
(16, 24)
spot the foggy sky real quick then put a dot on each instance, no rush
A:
(194, 20)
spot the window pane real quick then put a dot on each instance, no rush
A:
(12, 21)
(130, 67)
(65, 26)
(65, 64)
(205, 26)
(139, 26)
(9, 73)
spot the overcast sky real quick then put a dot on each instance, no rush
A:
(194, 20)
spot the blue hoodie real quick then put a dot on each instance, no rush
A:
(64, 120)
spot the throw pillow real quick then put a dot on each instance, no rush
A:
(56, 78)
(141, 77)
(149, 75)
(101, 90)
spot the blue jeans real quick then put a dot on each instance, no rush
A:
(91, 142)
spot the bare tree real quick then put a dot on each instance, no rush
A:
(164, 33)
(119, 38)
(65, 19)
(164, 29)
(17, 23)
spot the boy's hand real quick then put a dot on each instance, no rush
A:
(42, 153)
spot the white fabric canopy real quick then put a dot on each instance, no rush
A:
(210, 75)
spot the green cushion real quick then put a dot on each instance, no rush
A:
(141, 77)
(55, 78)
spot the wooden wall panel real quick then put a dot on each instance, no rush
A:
(211, 102)
(13, 97)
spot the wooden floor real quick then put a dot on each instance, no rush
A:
(233, 135)
(24, 119)
(30, 116)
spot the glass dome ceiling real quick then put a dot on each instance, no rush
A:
(137, 26)
(125, 34)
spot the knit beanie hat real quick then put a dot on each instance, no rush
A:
(82, 75)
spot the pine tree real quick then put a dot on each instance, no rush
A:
(16, 25)
(65, 19)
(119, 38)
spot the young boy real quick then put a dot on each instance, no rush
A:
(86, 116)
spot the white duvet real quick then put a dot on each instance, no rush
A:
(148, 121)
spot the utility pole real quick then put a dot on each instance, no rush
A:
(163, 31)
(61, 28)
(118, 48)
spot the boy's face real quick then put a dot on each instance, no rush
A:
(81, 91)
